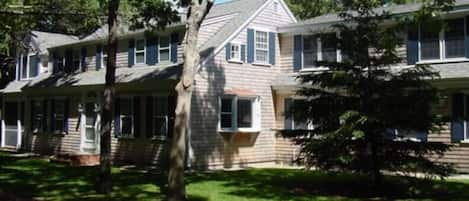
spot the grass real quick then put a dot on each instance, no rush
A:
(35, 177)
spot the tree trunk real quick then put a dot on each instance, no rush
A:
(104, 180)
(176, 186)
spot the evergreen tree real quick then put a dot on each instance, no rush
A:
(362, 108)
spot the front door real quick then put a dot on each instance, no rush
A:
(11, 121)
(90, 127)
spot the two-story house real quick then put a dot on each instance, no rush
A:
(56, 109)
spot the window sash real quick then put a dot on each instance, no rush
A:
(123, 120)
(235, 52)
(262, 46)
(140, 51)
(231, 120)
(164, 49)
(59, 116)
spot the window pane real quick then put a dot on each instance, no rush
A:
(164, 42)
(226, 105)
(140, 57)
(261, 55)
(235, 52)
(140, 45)
(164, 55)
(226, 121)
(125, 106)
(160, 126)
(454, 38)
(90, 133)
(329, 47)
(126, 123)
(261, 40)
(429, 45)
(244, 113)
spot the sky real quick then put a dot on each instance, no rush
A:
(221, 1)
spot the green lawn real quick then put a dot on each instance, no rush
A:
(33, 177)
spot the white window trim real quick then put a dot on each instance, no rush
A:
(309, 123)
(267, 49)
(442, 43)
(155, 116)
(235, 60)
(256, 114)
(318, 54)
(132, 134)
(140, 51)
(28, 67)
(165, 48)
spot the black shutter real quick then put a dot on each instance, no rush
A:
(228, 51)
(31, 124)
(66, 114)
(297, 53)
(117, 119)
(288, 121)
(52, 116)
(172, 102)
(45, 127)
(99, 54)
(457, 125)
(131, 53)
(251, 45)
(174, 47)
(151, 51)
(412, 47)
(84, 65)
(136, 115)
(243, 53)
(272, 39)
(149, 116)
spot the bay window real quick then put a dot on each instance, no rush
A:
(239, 113)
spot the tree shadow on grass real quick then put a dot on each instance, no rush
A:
(276, 184)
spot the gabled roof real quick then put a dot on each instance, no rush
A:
(41, 41)
(329, 19)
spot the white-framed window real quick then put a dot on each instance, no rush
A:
(262, 47)
(58, 115)
(28, 66)
(37, 116)
(239, 113)
(126, 117)
(235, 52)
(294, 123)
(140, 51)
(76, 60)
(104, 57)
(460, 115)
(445, 44)
(60, 63)
(160, 116)
(164, 48)
(321, 47)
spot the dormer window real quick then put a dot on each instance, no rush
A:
(28, 66)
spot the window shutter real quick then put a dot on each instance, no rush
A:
(174, 47)
(45, 127)
(228, 51)
(412, 47)
(99, 55)
(55, 67)
(243, 53)
(297, 53)
(422, 136)
(288, 121)
(466, 39)
(52, 116)
(31, 123)
(66, 114)
(131, 53)
(136, 115)
(84, 65)
(117, 119)
(251, 45)
(68, 61)
(457, 126)
(151, 50)
(272, 39)
(18, 67)
(149, 114)
(172, 102)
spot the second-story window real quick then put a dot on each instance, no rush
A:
(164, 53)
(444, 44)
(140, 51)
(105, 56)
(24, 67)
(320, 48)
(329, 47)
(235, 52)
(28, 66)
(310, 53)
(262, 47)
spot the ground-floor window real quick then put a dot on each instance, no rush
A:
(38, 116)
(238, 113)
(59, 110)
(292, 123)
(460, 115)
(160, 116)
(126, 117)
